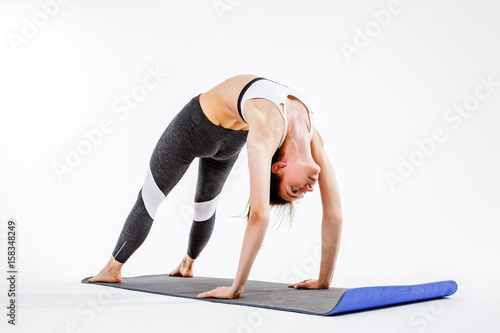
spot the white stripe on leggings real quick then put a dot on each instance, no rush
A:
(120, 249)
(151, 194)
(204, 210)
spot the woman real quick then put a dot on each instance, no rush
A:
(277, 127)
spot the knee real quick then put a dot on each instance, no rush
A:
(205, 210)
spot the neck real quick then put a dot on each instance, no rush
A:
(297, 142)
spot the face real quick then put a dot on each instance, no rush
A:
(298, 178)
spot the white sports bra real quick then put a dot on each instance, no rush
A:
(274, 92)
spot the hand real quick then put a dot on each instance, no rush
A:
(221, 292)
(309, 284)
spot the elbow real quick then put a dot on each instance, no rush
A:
(258, 218)
(334, 218)
(258, 214)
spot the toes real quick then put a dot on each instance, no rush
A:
(92, 279)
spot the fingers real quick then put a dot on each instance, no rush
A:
(205, 294)
(211, 293)
(219, 292)
(299, 284)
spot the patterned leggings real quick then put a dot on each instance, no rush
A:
(190, 134)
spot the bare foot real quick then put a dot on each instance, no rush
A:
(185, 268)
(110, 273)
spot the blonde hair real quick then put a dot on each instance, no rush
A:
(276, 202)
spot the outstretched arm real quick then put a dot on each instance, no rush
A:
(331, 226)
(265, 131)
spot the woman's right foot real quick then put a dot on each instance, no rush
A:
(110, 273)
(185, 268)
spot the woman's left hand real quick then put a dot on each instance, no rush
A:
(220, 292)
(309, 284)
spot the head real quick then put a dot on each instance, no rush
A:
(292, 176)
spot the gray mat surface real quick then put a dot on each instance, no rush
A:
(257, 293)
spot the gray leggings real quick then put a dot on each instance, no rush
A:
(190, 134)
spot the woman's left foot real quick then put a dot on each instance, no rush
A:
(185, 268)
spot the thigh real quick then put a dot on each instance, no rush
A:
(171, 156)
(212, 174)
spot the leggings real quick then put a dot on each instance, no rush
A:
(190, 134)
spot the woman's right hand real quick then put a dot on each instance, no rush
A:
(222, 292)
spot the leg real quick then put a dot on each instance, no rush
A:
(169, 161)
(152, 194)
(212, 175)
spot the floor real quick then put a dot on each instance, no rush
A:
(75, 307)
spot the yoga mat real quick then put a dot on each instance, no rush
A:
(278, 296)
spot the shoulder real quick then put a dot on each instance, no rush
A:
(232, 85)
(240, 79)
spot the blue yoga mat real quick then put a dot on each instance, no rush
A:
(278, 296)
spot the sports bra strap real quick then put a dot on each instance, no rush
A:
(274, 92)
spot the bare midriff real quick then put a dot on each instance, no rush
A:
(219, 104)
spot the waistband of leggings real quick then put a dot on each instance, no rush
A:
(202, 114)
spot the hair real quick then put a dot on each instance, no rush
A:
(276, 202)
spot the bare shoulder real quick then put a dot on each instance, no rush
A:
(226, 93)
(236, 82)
(242, 78)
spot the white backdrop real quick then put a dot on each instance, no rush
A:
(405, 93)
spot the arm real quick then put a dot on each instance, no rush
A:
(331, 226)
(262, 141)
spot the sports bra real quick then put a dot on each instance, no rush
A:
(274, 92)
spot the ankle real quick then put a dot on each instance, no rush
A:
(114, 265)
(188, 260)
